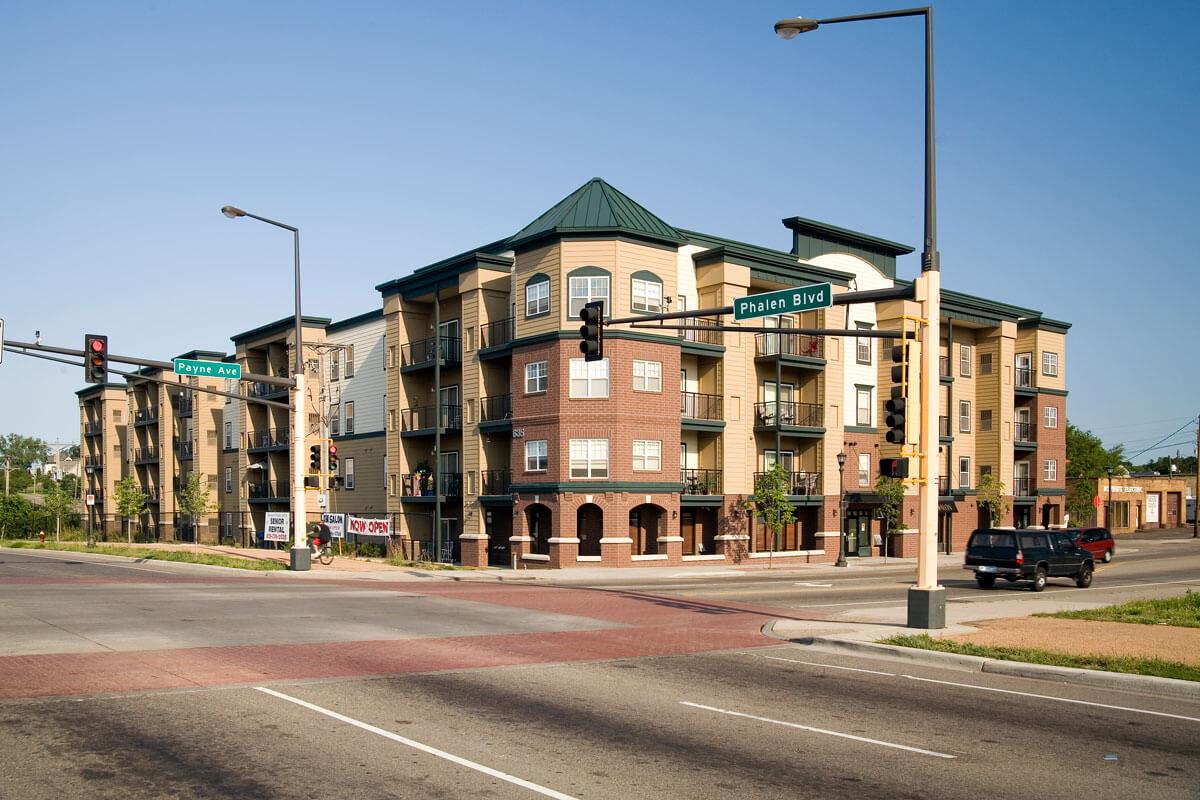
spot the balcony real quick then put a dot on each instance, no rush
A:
(495, 408)
(702, 335)
(152, 495)
(943, 366)
(185, 449)
(269, 490)
(1022, 487)
(449, 484)
(184, 407)
(804, 415)
(268, 439)
(944, 427)
(266, 391)
(800, 484)
(422, 418)
(145, 416)
(496, 334)
(146, 455)
(93, 429)
(96, 462)
(783, 344)
(422, 352)
(496, 481)
(694, 405)
(1024, 377)
(1024, 433)
(701, 481)
(943, 485)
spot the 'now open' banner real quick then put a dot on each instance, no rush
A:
(362, 526)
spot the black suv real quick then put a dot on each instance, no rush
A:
(1018, 554)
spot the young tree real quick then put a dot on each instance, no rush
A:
(195, 500)
(131, 501)
(57, 504)
(769, 502)
(991, 496)
(891, 490)
(1079, 502)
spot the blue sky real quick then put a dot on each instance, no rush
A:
(394, 134)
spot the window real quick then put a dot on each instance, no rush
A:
(589, 458)
(985, 419)
(647, 376)
(228, 480)
(536, 455)
(964, 473)
(348, 361)
(535, 377)
(864, 469)
(537, 297)
(864, 406)
(863, 345)
(1049, 363)
(964, 416)
(647, 295)
(964, 360)
(335, 360)
(647, 455)
(335, 422)
(228, 435)
(985, 363)
(349, 411)
(348, 467)
(1050, 418)
(585, 289)
(589, 378)
(1050, 469)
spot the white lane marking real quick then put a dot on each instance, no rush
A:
(992, 689)
(815, 585)
(424, 748)
(63, 555)
(820, 730)
(730, 574)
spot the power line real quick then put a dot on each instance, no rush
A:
(1156, 445)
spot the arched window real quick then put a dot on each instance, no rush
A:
(646, 292)
(537, 296)
(586, 285)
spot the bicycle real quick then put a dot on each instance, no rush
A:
(324, 555)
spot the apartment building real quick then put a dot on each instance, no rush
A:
(103, 426)
(506, 447)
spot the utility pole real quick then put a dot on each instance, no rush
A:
(1195, 490)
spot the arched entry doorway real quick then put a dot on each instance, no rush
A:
(537, 523)
(645, 526)
(589, 527)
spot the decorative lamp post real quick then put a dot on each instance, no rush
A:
(300, 553)
(91, 539)
(841, 559)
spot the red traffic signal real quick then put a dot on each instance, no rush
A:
(592, 331)
(95, 358)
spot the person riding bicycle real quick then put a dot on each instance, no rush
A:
(320, 537)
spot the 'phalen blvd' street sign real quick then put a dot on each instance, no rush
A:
(208, 369)
(784, 301)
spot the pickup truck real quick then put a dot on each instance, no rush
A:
(1033, 555)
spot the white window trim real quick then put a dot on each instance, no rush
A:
(964, 417)
(544, 455)
(541, 299)
(650, 455)
(1050, 420)
(1050, 363)
(591, 378)
(592, 454)
(965, 364)
(539, 372)
(859, 408)
(650, 382)
(1050, 469)
(649, 297)
(964, 472)
(576, 302)
(348, 472)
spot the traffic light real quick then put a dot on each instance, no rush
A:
(314, 459)
(893, 467)
(897, 405)
(592, 331)
(95, 358)
(333, 462)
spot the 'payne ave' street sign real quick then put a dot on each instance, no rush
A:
(784, 301)
(208, 369)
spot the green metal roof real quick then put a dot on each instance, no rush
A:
(594, 207)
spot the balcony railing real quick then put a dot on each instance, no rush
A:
(422, 418)
(703, 336)
(1024, 377)
(800, 483)
(184, 448)
(943, 366)
(943, 426)
(496, 407)
(422, 351)
(702, 481)
(943, 485)
(803, 414)
(788, 344)
(449, 484)
(694, 405)
(272, 437)
(1022, 487)
(94, 461)
(497, 333)
(1025, 431)
(93, 429)
(269, 490)
(184, 407)
(152, 495)
(145, 416)
(496, 481)
(144, 455)
(266, 390)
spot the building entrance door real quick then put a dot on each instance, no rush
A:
(858, 533)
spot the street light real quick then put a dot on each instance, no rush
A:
(1108, 503)
(300, 554)
(841, 559)
(926, 600)
(91, 539)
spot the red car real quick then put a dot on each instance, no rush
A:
(1097, 541)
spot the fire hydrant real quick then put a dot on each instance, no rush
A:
(41, 536)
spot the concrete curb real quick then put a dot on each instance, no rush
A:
(1169, 687)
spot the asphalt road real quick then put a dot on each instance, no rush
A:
(148, 681)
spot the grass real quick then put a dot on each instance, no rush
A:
(148, 554)
(1137, 666)
(1181, 612)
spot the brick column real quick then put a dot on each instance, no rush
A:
(616, 551)
(734, 546)
(564, 551)
(473, 548)
(673, 547)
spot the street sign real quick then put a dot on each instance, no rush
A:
(91, 499)
(784, 301)
(208, 369)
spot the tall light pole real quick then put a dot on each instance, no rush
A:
(1108, 503)
(841, 559)
(301, 557)
(926, 600)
